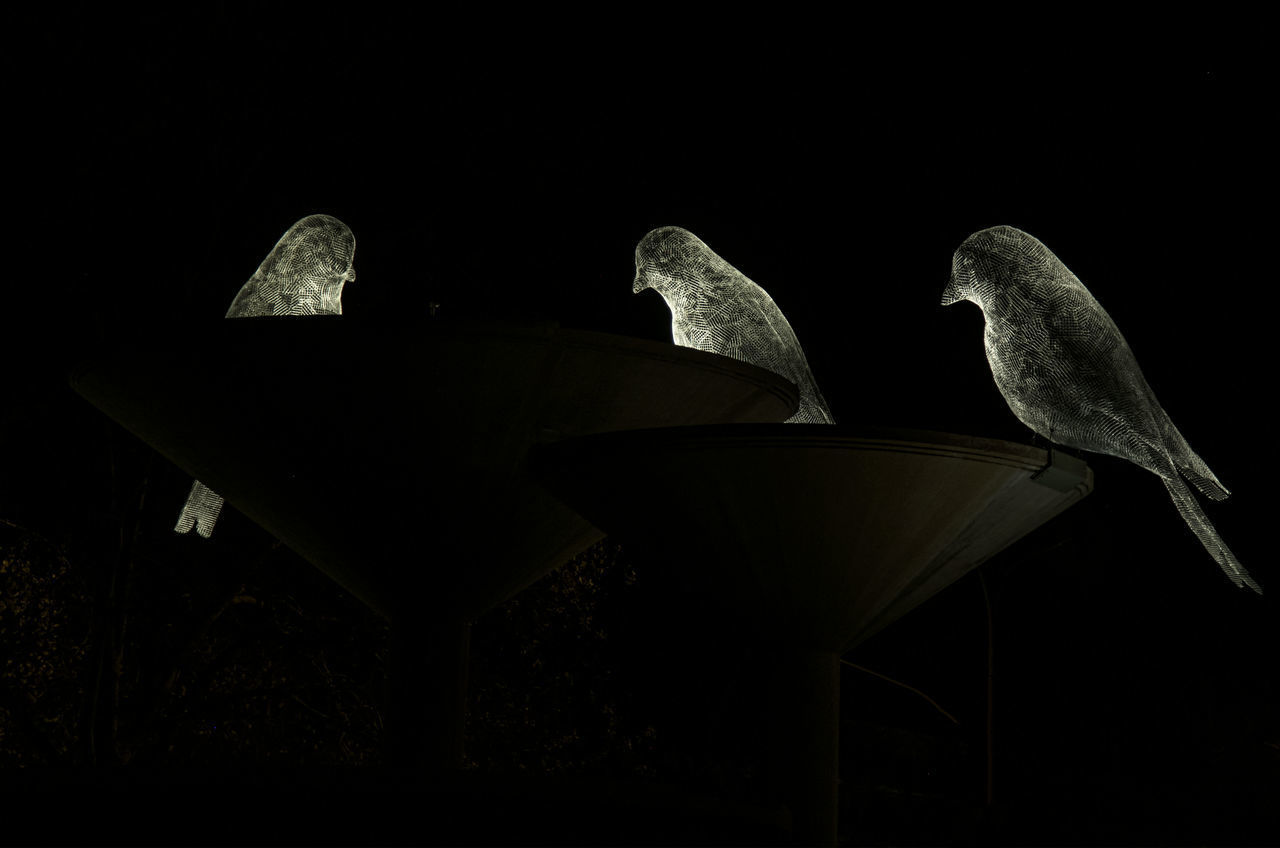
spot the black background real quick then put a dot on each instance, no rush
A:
(505, 166)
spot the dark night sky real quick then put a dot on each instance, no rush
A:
(507, 177)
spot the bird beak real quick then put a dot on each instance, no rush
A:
(949, 295)
(962, 279)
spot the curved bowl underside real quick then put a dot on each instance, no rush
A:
(393, 458)
(817, 535)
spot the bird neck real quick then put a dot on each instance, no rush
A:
(681, 300)
(331, 297)
(998, 300)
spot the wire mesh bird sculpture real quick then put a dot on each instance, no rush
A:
(715, 307)
(302, 275)
(1068, 374)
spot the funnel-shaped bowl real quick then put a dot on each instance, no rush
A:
(393, 457)
(820, 536)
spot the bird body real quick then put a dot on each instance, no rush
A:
(1067, 372)
(716, 308)
(302, 275)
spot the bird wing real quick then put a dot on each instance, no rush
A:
(771, 340)
(1068, 374)
(1118, 375)
(1106, 379)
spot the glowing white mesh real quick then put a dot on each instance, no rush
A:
(1068, 374)
(302, 275)
(715, 307)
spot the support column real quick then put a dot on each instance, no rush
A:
(426, 717)
(806, 742)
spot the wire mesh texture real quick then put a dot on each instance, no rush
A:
(716, 308)
(302, 275)
(1068, 374)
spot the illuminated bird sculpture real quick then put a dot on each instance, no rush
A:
(302, 275)
(1068, 374)
(715, 307)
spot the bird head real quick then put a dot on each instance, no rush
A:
(986, 260)
(329, 243)
(322, 249)
(660, 256)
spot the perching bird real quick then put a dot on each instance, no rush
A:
(302, 275)
(714, 307)
(1068, 374)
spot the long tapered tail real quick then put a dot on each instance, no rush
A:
(1205, 532)
(1194, 469)
(1189, 463)
(200, 513)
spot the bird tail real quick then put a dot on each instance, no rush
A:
(200, 511)
(1199, 523)
(1189, 463)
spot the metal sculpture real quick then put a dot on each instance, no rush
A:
(1068, 374)
(715, 307)
(302, 275)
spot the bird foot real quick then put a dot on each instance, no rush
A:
(1063, 472)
